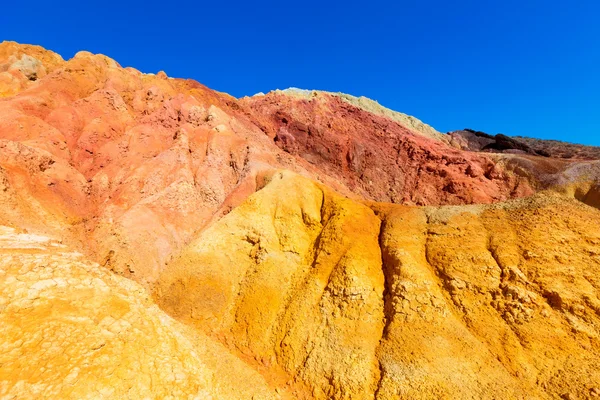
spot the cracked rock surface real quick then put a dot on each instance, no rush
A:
(71, 329)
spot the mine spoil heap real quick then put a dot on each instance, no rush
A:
(159, 239)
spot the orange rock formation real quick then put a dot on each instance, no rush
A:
(163, 240)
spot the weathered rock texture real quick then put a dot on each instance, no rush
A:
(376, 156)
(377, 300)
(415, 125)
(469, 139)
(163, 240)
(71, 329)
(129, 164)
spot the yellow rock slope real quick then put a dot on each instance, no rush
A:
(357, 301)
(302, 293)
(70, 329)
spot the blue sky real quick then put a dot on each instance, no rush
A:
(522, 67)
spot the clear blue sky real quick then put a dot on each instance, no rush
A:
(518, 67)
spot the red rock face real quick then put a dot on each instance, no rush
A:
(135, 164)
(378, 158)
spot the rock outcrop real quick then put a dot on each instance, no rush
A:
(378, 300)
(376, 156)
(159, 239)
(71, 329)
(469, 139)
(408, 121)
